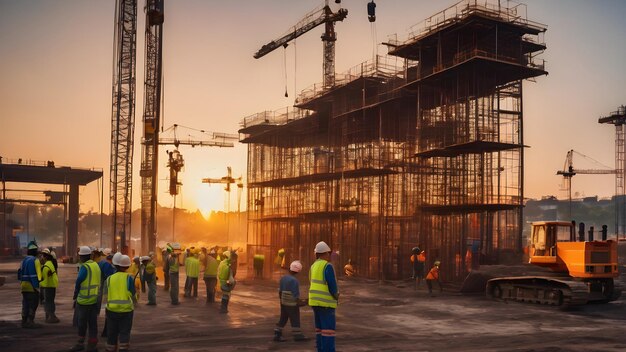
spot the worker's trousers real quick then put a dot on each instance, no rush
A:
(118, 330)
(291, 313)
(324, 328)
(210, 283)
(87, 318)
(166, 279)
(191, 286)
(174, 287)
(30, 302)
(49, 294)
(152, 287)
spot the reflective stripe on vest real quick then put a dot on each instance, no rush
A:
(89, 288)
(319, 295)
(119, 299)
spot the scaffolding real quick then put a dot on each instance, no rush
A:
(420, 147)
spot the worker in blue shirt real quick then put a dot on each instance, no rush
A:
(290, 302)
(29, 275)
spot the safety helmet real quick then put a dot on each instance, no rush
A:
(212, 252)
(176, 246)
(437, 263)
(226, 254)
(124, 261)
(45, 251)
(32, 245)
(106, 251)
(145, 257)
(281, 251)
(322, 247)
(84, 250)
(295, 266)
(116, 258)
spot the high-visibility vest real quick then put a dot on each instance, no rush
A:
(119, 298)
(319, 295)
(224, 271)
(49, 281)
(30, 274)
(89, 288)
(433, 274)
(173, 261)
(192, 267)
(211, 267)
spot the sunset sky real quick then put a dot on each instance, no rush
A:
(56, 64)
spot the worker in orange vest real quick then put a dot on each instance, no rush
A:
(418, 259)
(433, 275)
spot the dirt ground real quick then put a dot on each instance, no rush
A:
(371, 317)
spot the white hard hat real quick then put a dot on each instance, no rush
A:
(176, 245)
(116, 258)
(226, 254)
(45, 251)
(145, 257)
(84, 250)
(322, 247)
(295, 266)
(106, 251)
(124, 261)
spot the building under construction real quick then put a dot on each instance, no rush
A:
(423, 147)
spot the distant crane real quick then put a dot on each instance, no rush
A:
(311, 20)
(228, 180)
(569, 171)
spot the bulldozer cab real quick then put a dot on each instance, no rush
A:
(546, 234)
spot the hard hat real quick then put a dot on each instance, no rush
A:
(84, 250)
(94, 249)
(32, 245)
(281, 251)
(45, 251)
(116, 258)
(322, 247)
(145, 257)
(176, 246)
(295, 266)
(437, 263)
(124, 261)
(106, 251)
(226, 254)
(54, 255)
(212, 251)
(416, 250)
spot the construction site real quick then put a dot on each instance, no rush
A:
(421, 147)
(408, 173)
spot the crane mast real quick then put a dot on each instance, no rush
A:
(324, 16)
(151, 122)
(123, 119)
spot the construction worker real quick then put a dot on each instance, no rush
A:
(85, 296)
(433, 275)
(192, 270)
(227, 280)
(174, 264)
(323, 297)
(290, 302)
(348, 269)
(49, 284)
(120, 306)
(150, 278)
(106, 269)
(418, 259)
(166, 266)
(210, 275)
(29, 275)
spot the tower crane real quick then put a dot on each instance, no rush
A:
(228, 180)
(123, 120)
(569, 171)
(311, 20)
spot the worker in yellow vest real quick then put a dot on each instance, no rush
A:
(150, 278)
(174, 264)
(121, 298)
(49, 283)
(210, 275)
(323, 297)
(227, 280)
(29, 275)
(192, 270)
(86, 293)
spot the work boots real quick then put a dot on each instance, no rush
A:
(92, 345)
(51, 318)
(298, 336)
(278, 335)
(30, 323)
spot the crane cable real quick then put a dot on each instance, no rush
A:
(285, 68)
